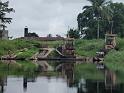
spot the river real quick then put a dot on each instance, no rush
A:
(64, 81)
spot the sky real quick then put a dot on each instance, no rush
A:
(45, 16)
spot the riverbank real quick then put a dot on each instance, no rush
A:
(24, 48)
(86, 48)
(115, 58)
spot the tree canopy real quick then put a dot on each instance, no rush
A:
(101, 17)
(4, 9)
(73, 33)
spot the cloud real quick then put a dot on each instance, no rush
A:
(44, 16)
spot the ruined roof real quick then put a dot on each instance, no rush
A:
(44, 38)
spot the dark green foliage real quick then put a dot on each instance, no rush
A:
(4, 9)
(103, 17)
(91, 20)
(115, 59)
(73, 33)
(118, 18)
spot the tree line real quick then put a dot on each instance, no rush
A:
(99, 18)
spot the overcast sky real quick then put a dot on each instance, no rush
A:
(45, 16)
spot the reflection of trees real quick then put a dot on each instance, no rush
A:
(43, 66)
(3, 82)
(110, 79)
(67, 70)
(98, 86)
(27, 79)
(10, 62)
(101, 86)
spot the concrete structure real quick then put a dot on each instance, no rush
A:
(34, 36)
(110, 41)
(4, 34)
(27, 34)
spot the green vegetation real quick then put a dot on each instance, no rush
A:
(51, 44)
(17, 68)
(73, 33)
(27, 66)
(101, 17)
(27, 53)
(15, 45)
(88, 47)
(87, 71)
(4, 10)
(115, 59)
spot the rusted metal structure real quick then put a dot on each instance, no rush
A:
(110, 41)
(68, 49)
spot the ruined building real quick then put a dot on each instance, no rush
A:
(3, 33)
(27, 34)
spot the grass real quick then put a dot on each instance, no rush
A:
(88, 47)
(115, 59)
(19, 44)
(28, 53)
(15, 45)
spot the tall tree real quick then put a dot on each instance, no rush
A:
(4, 9)
(92, 14)
(118, 18)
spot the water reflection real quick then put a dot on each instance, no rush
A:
(96, 86)
(63, 82)
(3, 82)
(27, 79)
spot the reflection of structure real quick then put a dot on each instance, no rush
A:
(67, 70)
(110, 41)
(3, 82)
(110, 79)
(108, 85)
(43, 66)
(26, 80)
(68, 49)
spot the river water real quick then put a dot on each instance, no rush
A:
(14, 84)
(66, 81)
(37, 85)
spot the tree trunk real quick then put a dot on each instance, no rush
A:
(98, 29)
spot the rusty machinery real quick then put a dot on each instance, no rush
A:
(110, 41)
(68, 48)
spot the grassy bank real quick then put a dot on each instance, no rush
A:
(18, 44)
(88, 47)
(114, 60)
(28, 53)
(15, 45)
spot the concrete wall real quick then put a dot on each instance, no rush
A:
(4, 34)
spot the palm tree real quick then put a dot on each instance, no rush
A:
(98, 10)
